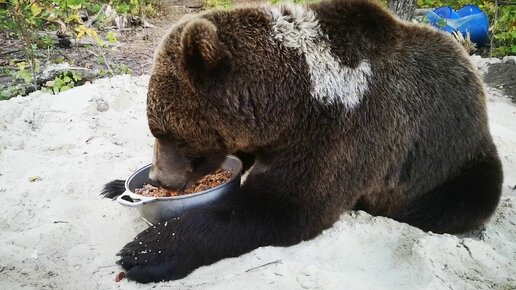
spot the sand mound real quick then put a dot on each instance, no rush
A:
(57, 151)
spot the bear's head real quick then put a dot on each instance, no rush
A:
(221, 83)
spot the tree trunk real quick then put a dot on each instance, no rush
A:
(404, 9)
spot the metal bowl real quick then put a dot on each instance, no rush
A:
(160, 209)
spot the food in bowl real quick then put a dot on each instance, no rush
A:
(208, 181)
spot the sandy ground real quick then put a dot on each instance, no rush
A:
(55, 232)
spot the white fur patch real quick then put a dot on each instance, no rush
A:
(332, 82)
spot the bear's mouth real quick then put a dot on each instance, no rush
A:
(157, 183)
(204, 165)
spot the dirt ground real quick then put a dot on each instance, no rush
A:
(138, 45)
(132, 53)
(503, 76)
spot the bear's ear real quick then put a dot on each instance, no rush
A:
(203, 54)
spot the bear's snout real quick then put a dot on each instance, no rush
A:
(171, 181)
(169, 169)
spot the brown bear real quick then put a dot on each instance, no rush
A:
(342, 106)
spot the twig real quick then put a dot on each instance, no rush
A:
(60, 222)
(94, 18)
(147, 221)
(106, 62)
(63, 54)
(10, 51)
(147, 24)
(494, 28)
(103, 55)
(102, 267)
(266, 264)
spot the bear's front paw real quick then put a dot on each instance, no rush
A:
(159, 253)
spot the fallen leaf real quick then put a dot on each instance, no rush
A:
(119, 277)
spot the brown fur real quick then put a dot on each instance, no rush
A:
(413, 149)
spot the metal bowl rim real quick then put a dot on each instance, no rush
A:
(185, 196)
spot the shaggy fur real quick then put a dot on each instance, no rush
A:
(297, 27)
(113, 189)
(395, 124)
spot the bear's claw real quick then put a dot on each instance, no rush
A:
(156, 254)
(113, 189)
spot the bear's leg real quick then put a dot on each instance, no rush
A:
(173, 249)
(462, 203)
(113, 189)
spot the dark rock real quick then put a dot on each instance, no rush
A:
(503, 76)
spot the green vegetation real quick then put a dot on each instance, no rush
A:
(504, 31)
(218, 4)
(63, 82)
(30, 21)
(117, 69)
(136, 7)
(23, 74)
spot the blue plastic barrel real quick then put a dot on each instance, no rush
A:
(446, 12)
(469, 18)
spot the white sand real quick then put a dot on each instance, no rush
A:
(56, 232)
